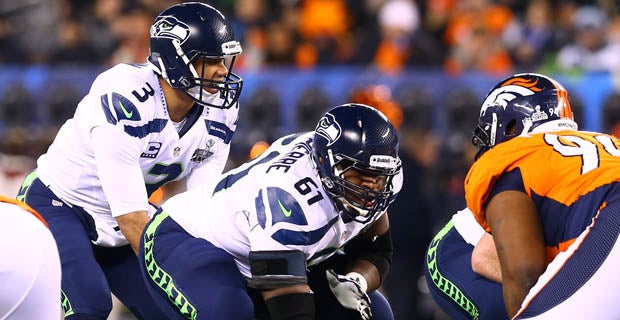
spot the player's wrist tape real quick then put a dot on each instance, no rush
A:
(359, 278)
(297, 306)
(378, 252)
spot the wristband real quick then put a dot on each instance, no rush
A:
(359, 278)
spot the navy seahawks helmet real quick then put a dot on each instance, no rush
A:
(519, 105)
(185, 32)
(356, 136)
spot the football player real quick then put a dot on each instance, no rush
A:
(464, 288)
(140, 127)
(30, 265)
(304, 226)
(549, 195)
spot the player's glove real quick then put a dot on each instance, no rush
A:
(350, 290)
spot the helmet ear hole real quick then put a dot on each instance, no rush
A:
(511, 128)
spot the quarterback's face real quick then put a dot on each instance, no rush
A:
(211, 69)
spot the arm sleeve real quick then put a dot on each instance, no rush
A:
(118, 167)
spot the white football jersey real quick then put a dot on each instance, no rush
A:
(127, 104)
(274, 202)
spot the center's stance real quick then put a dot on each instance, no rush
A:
(278, 225)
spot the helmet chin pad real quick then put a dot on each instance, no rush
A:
(354, 212)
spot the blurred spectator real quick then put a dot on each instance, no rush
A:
(380, 97)
(311, 105)
(34, 22)
(261, 122)
(438, 13)
(591, 50)
(412, 214)
(132, 31)
(248, 25)
(280, 45)
(611, 114)
(13, 170)
(17, 106)
(98, 20)
(12, 52)
(61, 101)
(73, 48)
(457, 152)
(531, 39)
(324, 27)
(398, 20)
(474, 34)
(254, 48)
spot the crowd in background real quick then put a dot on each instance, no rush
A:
(452, 36)
(495, 37)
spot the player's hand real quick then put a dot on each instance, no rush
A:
(350, 292)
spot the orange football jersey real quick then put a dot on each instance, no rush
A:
(569, 175)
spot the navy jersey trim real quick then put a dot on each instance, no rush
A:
(580, 267)
(153, 126)
(219, 130)
(192, 116)
(106, 110)
(284, 207)
(230, 179)
(302, 238)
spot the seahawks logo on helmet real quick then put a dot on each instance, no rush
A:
(328, 128)
(170, 27)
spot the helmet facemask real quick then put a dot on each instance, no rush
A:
(190, 33)
(344, 181)
(491, 130)
(228, 89)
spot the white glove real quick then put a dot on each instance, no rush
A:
(350, 290)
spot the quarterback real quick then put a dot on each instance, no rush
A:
(139, 127)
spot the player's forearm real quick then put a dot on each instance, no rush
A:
(369, 271)
(514, 294)
(484, 259)
(132, 224)
(517, 283)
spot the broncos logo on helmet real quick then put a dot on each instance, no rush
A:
(170, 27)
(520, 105)
(328, 128)
(508, 91)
